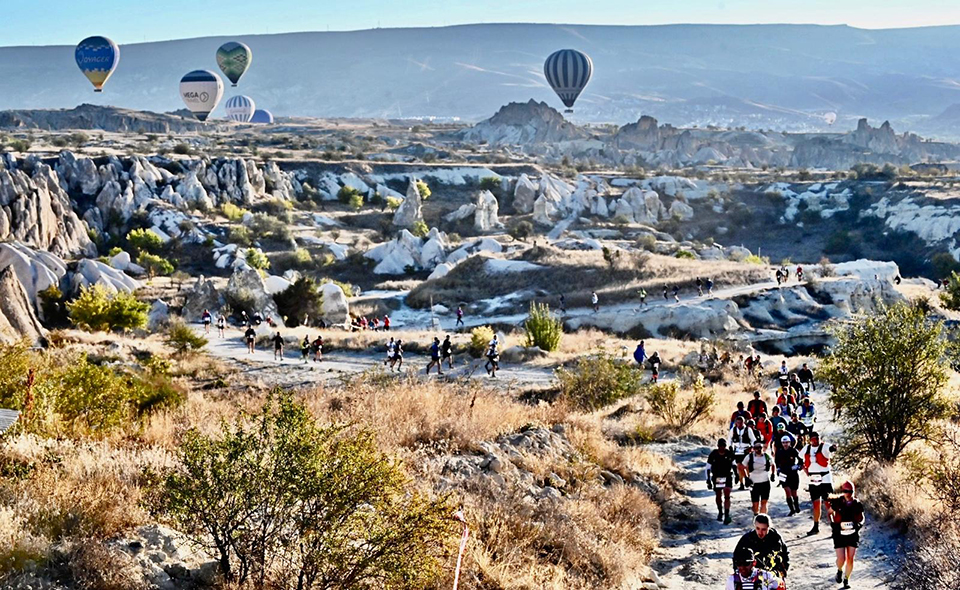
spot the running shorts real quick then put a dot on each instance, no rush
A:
(821, 491)
(840, 540)
(760, 491)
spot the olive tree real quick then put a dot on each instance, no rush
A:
(887, 373)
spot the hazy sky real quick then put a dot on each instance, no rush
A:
(56, 22)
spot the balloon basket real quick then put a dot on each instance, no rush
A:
(568, 111)
(98, 90)
(233, 85)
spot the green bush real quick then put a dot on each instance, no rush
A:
(182, 338)
(240, 235)
(542, 328)
(944, 265)
(754, 259)
(298, 301)
(490, 183)
(347, 194)
(598, 380)
(664, 401)
(522, 230)
(424, 190)
(355, 202)
(256, 259)
(420, 229)
(233, 212)
(97, 310)
(393, 203)
(480, 337)
(685, 254)
(154, 265)
(284, 502)
(144, 240)
(266, 227)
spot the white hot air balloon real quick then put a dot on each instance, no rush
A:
(201, 91)
(240, 108)
(830, 118)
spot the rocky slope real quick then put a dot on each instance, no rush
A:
(524, 123)
(102, 118)
(18, 321)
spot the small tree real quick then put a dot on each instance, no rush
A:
(887, 372)
(542, 328)
(256, 259)
(393, 203)
(144, 240)
(182, 338)
(664, 400)
(598, 380)
(299, 300)
(951, 297)
(154, 265)
(97, 310)
(424, 190)
(347, 193)
(522, 230)
(420, 229)
(480, 337)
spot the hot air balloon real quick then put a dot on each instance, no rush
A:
(830, 118)
(97, 58)
(201, 90)
(568, 71)
(240, 108)
(262, 116)
(234, 59)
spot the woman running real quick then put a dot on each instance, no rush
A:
(846, 520)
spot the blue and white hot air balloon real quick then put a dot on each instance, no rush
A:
(262, 116)
(240, 108)
(97, 58)
(568, 71)
(201, 91)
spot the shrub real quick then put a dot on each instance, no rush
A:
(490, 183)
(944, 265)
(233, 212)
(480, 337)
(300, 300)
(543, 329)
(420, 229)
(183, 149)
(97, 310)
(240, 235)
(685, 254)
(266, 227)
(355, 202)
(951, 297)
(522, 230)
(347, 194)
(887, 372)
(424, 190)
(256, 258)
(647, 242)
(754, 259)
(283, 502)
(154, 265)
(598, 380)
(664, 401)
(144, 240)
(182, 338)
(840, 242)
(393, 203)
(52, 305)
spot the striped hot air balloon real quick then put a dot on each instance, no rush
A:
(97, 58)
(201, 91)
(568, 71)
(234, 58)
(262, 116)
(240, 108)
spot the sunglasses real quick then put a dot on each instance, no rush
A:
(847, 491)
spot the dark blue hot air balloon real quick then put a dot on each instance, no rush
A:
(568, 71)
(262, 116)
(97, 58)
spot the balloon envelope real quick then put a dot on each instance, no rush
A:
(97, 58)
(262, 116)
(234, 58)
(201, 91)
(830, 118)
(240, 108)
(568, 71)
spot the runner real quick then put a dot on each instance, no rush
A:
(740, 413)
(221, 324)
(676, 293)
(846, 520)
(741, 439)
(654, 361)
(493, 357)
(777, 421)
(797, 428)
(699, 287)
(808, 413)
(446, 352)
(748, 577)
(786, 402)
(720, 478)
(563, 304)
(386, 323)
(397, 355)
(251, 337)
(757, 406)
(278, 347)
(783, 433)
(805, 375)
(665, 298)
(765, 429)
(758, 466)
(390, 350)
(787, 461)
(640, 354)
(305, 349)
(595, 301)
(767, 545)
(318, 349)
(796, 388)
(784, 374)
(816, 464)
(206, 318)
(435, 357)
(459, 316)
(643, 297)
(799, 273)
(709, 286)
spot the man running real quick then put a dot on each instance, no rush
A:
(765, 429)
(797, 428)
(563, 304)
(386, 323)
(595, 301)
(720, 478)
(740, 413)
(305, 349)
(278, 347)
(777, 421)
(318, 349)
(808, 413)
(643, 297)
(676, 293)
(206, 318)
(709, 286)
(446, 352)
(459, 316)
(390, 349)
(251, 337)
(787, 461)
(796, 388)
(757, 406)
(699, 287)
(741, 439)
(435, 357)
(397, 355)
(640, 354)
(493, 357)
(846, 520)
(221, 324)
(758, 466)
(805, 375)
(784, 374)
(654, 361)
(748, 576)
(767, 545)
(816, 464)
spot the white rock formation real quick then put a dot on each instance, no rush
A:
(18, 320)
(462, 212)
(410, 210)
(334, 305)
(246, 284)
(36, 270)
(486, 215)
(93, 272)
(680, 210)
(525, 194)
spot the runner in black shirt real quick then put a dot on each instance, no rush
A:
(720, 470)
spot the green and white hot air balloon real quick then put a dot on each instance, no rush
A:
(234, 58)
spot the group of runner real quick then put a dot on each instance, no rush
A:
(762, 449)
(783, 274)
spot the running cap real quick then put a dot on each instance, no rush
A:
(814, 435)
(758, 445)
(848, 487)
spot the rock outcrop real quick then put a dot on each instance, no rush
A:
(246, 285)
(486, 214)
(524, 123)
(334, 306)
(203, 296)
(18, 320)
(35, 269)
(410, 210)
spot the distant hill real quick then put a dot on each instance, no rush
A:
(88, 116)
(780, 76)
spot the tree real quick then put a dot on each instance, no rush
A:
(183, 339)
(144, 240)
(951, 297)
(887, 372)
(543, 329)
(598, 380)
(424, 190)
(286, 503)
(522, 230)
(299, 300)
(346, 194)
(97, 310)
(154, 265)
(944, 264)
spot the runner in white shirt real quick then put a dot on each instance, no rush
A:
(816, 457)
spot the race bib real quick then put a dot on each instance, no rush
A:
(847, 528)
(782, 477)
(740, 447)
(720, 481)
(816, 479)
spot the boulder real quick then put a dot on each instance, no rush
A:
(867, 269)
(334, 306)
(524, 194)
(410, 210)
(120, 261)
(203, 296)
(520, 354)
(441, 271)
(485, 218)
(275, 284)
(247, 285)
(36, 270)
(93, 272)
(545, 210)
(680, 210)
(159, 315)
(18, 320)
(640, 206)
(738, 253)
(461, 213)
(395, 256)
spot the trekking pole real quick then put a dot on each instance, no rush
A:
(458, 515)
